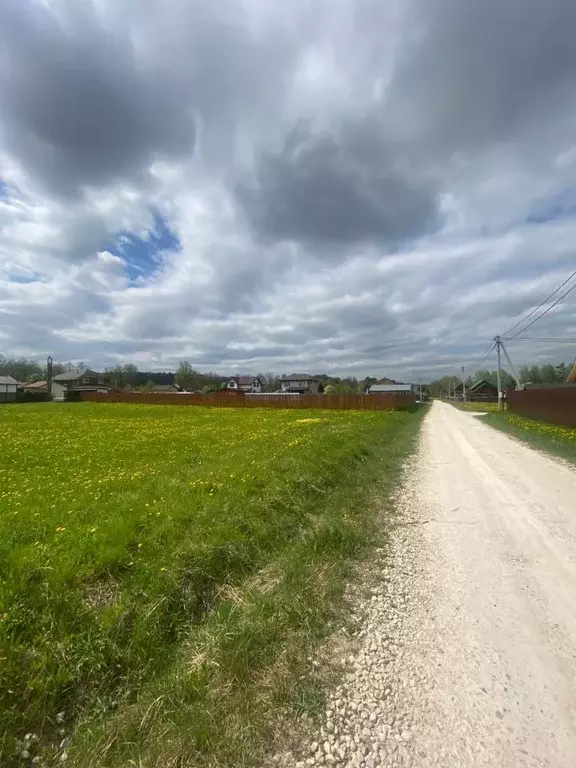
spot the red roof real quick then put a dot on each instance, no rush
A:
(34, 385)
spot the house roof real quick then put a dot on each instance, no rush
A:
(299, 377)
(482, 383)
(383, 388)
(165, 388)
(34, 385)
(7, 380)
(72, 375)
(244, 381)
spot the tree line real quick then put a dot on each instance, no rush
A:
(127, 376)
(528, 374)
(22, 369)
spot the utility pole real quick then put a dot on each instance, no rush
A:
(49, 362)
(499, 372)
(463, 387)
(420, 388)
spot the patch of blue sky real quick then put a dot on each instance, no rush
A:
(559, 206)
(143, 256)
(15, 274)
(23, 279)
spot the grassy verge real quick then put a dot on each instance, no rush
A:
(558, 441)
(477, 407)
(167, 572)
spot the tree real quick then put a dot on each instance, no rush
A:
(507, 380)
(130, 374)
(270, 381)
(524, 374)
(366, 383)
(186, 376)
(20, 368)
(535, 375)
(548, 374)
(444, 386)
(562, 371)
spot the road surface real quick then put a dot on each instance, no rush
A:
(466, 649)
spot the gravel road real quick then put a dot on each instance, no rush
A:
(465, 648)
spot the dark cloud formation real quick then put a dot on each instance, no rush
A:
(339, 187)
(477, 73)
(78, 109)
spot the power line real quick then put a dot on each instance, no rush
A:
(481, 358)
(542, 314)
(552, 340)
(546, 300)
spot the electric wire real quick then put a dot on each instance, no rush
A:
(546, 300)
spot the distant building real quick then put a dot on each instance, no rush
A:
(34, 386)
(250, 384)
(166, 389)
(301, 384)
(481, 391)
(390, 389)
(8, 388)
(83, 380)
(227, 391)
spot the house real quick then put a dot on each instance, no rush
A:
(8, 387)
(301, 384)
(34, 386)
(82, 380)
(166, 389)
(390, 389)
(481, 391)
(245, 383)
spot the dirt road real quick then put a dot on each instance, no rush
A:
(501, 551)
(466, 651)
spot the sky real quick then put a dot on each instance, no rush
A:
(371, 187)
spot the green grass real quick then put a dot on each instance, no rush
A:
(477, 407)
(553, 439)
(166, 572)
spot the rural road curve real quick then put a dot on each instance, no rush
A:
(465, 653)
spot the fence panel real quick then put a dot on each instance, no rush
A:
(556, 405)
(337, 402)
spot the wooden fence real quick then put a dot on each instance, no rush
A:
(337, 402)
(556, 405)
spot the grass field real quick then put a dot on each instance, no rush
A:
(559, 441)
(166, 571)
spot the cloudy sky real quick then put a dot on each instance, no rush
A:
(350, 187)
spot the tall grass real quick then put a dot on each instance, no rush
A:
(165, 572)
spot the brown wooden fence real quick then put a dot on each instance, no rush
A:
(556, 405)
(337, 402)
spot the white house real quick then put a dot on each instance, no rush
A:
(250, 384)
(302, 384)
(83, 380)
(8, 387)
